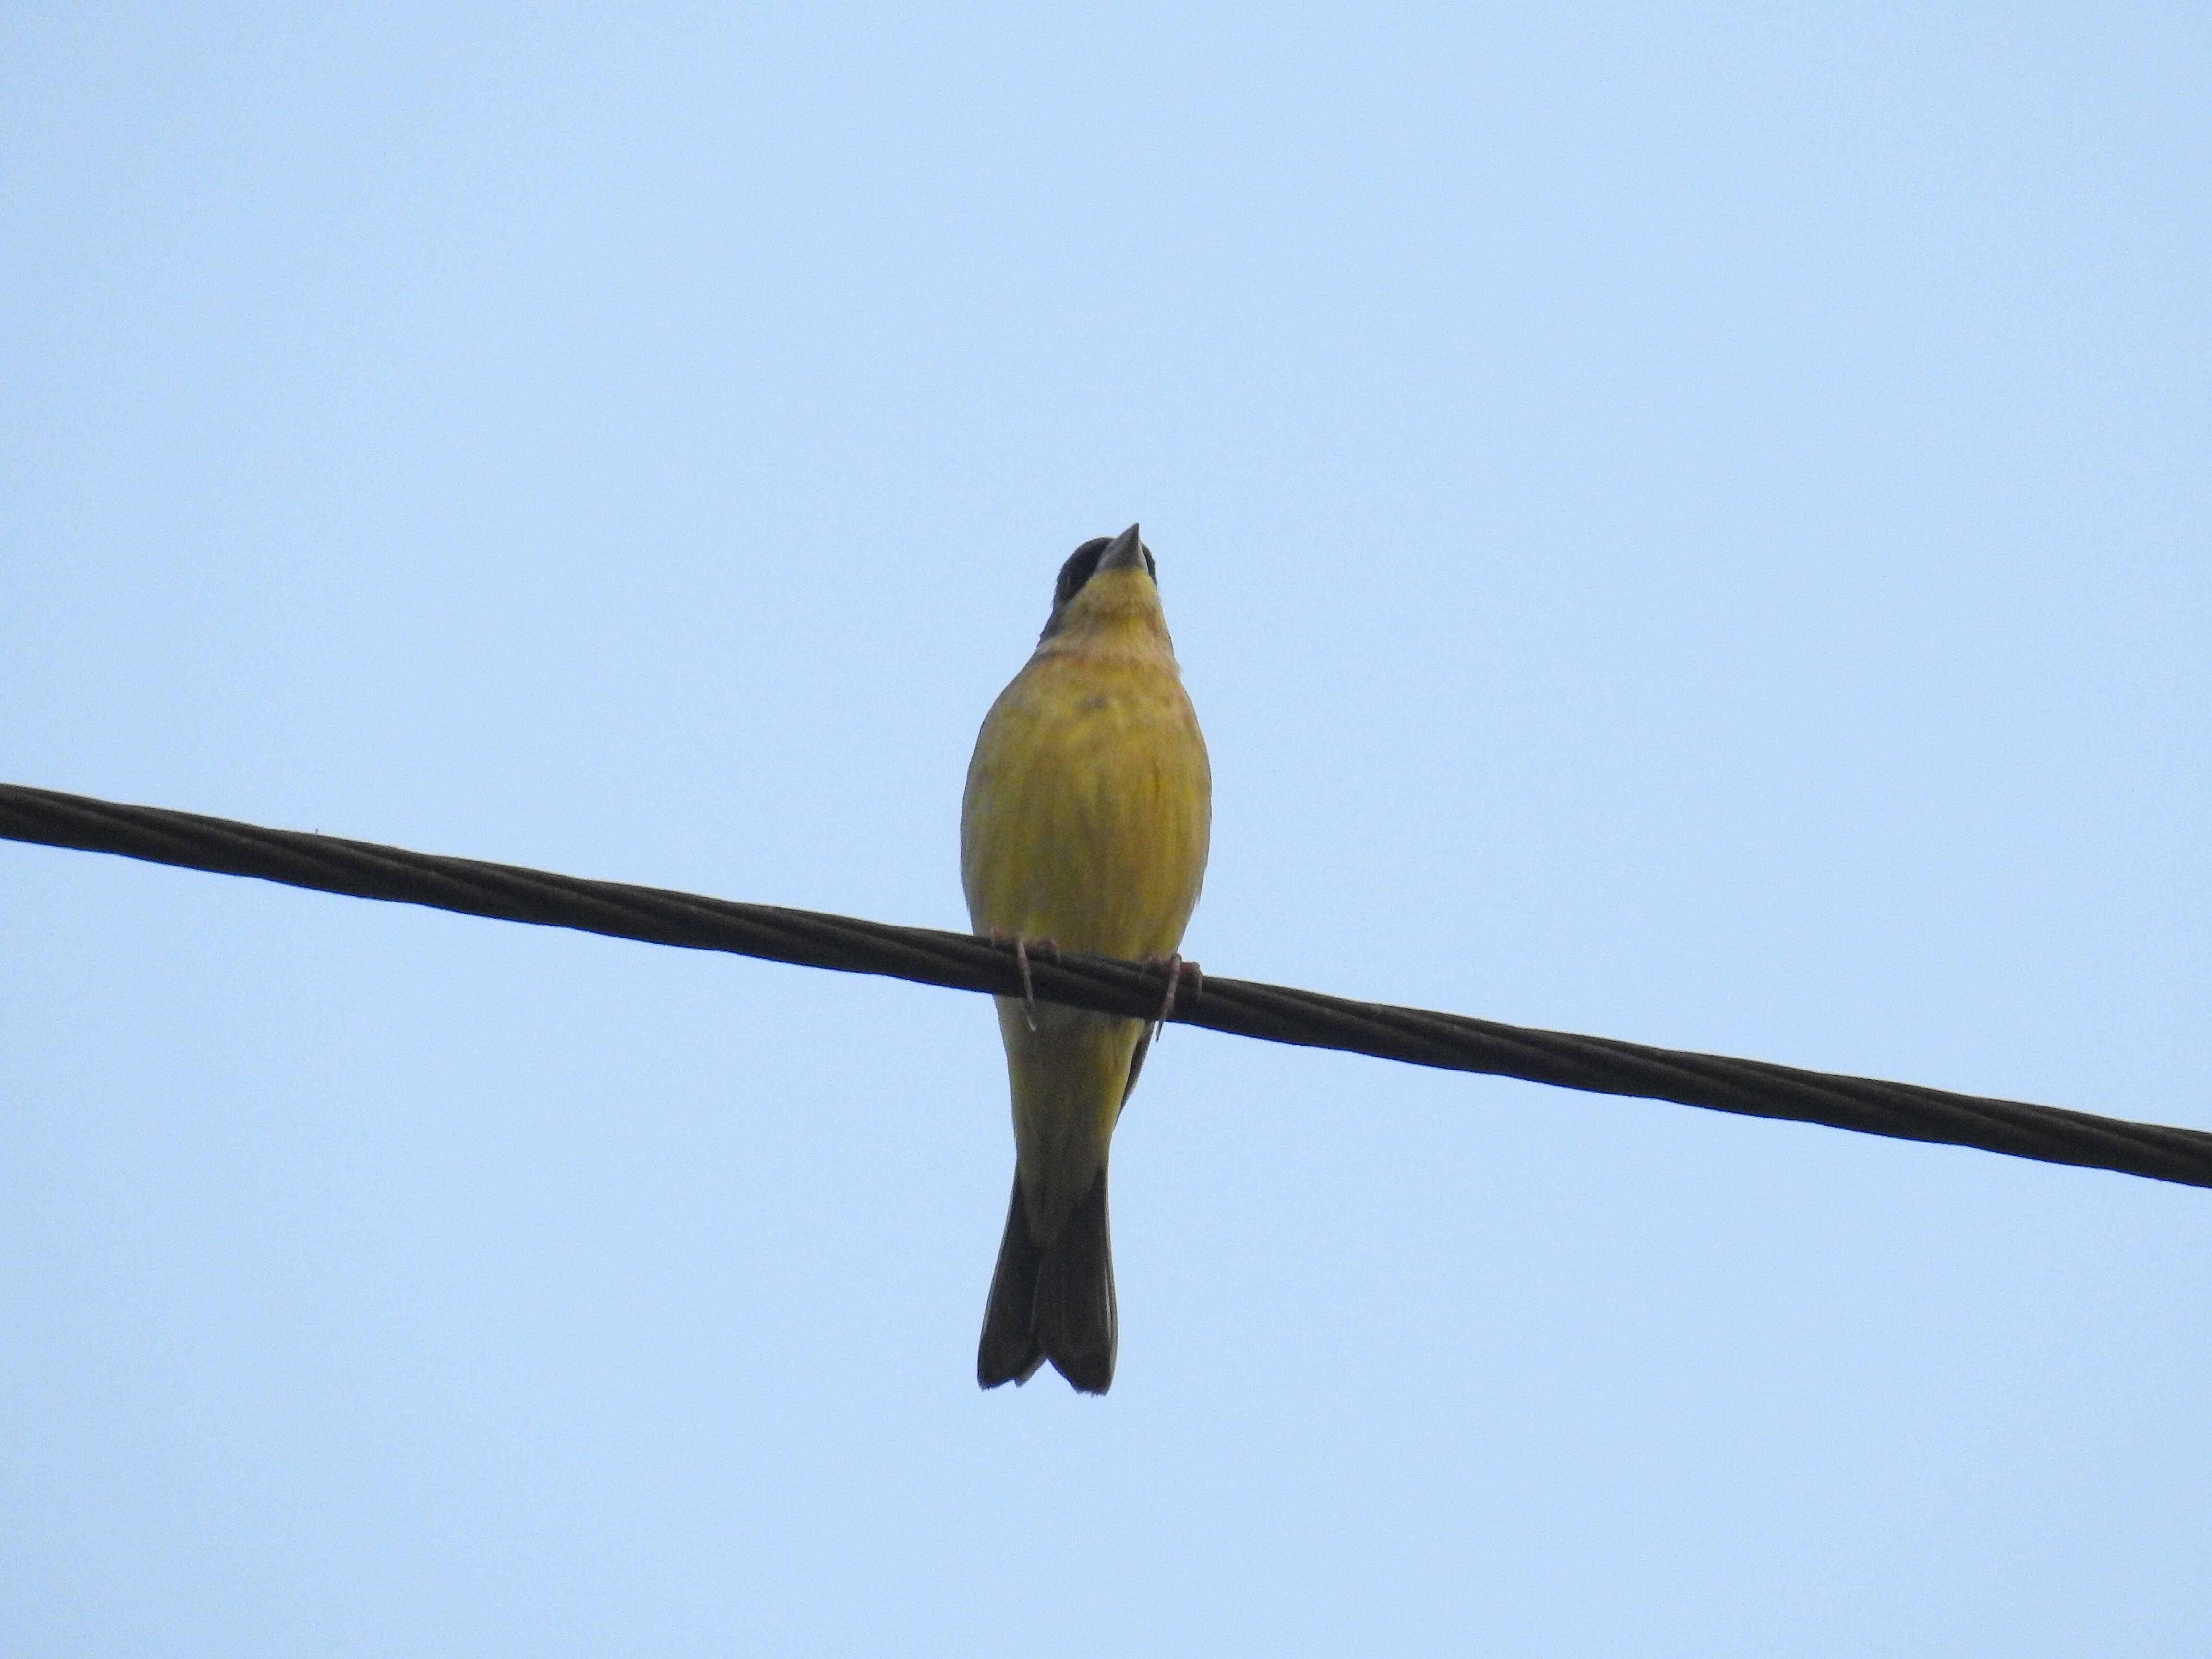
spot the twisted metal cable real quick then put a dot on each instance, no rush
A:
(962, 962)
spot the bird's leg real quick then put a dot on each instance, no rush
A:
(1022, 965)
(1176, 965)
(1029, 991)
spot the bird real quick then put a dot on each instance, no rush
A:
(1084, 827)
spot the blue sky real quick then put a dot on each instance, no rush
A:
(1688, 524)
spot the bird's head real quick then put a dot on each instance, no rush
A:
(1106, 587)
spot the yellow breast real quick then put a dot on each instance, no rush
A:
(1089, 801)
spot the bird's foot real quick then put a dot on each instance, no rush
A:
(1021, 966)
(1176, 968)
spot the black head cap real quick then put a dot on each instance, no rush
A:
(1083, 564)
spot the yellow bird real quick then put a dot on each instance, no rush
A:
(1083, 829)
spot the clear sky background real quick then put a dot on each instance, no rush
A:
(1687, 523)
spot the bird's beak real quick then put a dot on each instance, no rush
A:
(1125, 552)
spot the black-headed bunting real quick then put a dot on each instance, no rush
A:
(1083, 829)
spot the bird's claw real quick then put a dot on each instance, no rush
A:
(1021, 966)
(1175, 966)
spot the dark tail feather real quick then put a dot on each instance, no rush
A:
(1075, 1323)
(1009, 1352)
(1055, 1303)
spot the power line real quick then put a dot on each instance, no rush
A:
(962, 962)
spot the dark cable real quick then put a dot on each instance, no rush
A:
(1240, 1008)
